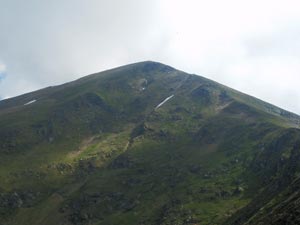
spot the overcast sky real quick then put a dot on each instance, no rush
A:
(252, 46)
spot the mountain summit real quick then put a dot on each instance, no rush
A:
(147, 144)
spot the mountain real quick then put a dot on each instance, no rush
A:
(147, 144)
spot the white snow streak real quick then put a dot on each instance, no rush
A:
(164, 101)
(28, 103)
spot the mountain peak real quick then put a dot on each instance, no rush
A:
(149, 66)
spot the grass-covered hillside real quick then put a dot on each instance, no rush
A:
(146, 144)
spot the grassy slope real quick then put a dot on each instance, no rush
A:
(96, 151)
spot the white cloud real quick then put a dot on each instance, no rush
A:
(252, 46)
(2, 67)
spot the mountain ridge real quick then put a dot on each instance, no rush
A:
(267, 106)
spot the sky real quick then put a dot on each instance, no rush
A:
(250, 45)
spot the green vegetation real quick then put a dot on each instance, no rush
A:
(98, 151)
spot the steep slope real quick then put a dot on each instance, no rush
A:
(144, 144)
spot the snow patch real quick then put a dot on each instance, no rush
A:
(28, 103)
(164, 101)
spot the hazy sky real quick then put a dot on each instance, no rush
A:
(252, 46)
